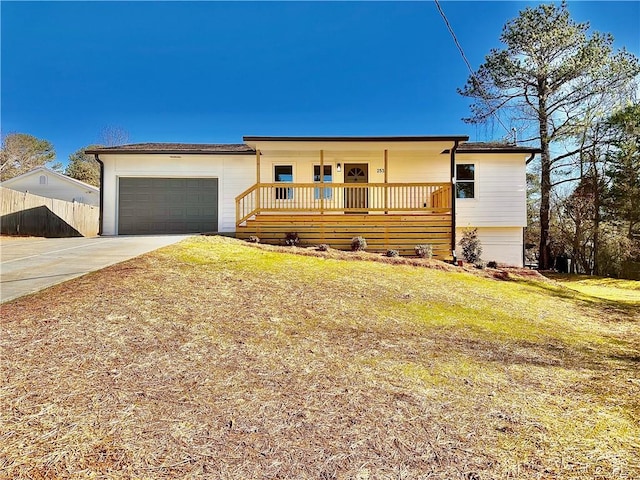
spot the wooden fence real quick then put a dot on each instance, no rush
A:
(26, 214)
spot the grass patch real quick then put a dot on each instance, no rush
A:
(614, 289)
(212, 358)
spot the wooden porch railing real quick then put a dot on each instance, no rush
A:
(342, 197)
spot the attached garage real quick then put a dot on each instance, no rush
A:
(148, 206)
(158, 188)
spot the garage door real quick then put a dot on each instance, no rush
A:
(167, 205)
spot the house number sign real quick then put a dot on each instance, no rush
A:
(380, 170)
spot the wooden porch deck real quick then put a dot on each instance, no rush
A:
(389, 216)
(400, 232)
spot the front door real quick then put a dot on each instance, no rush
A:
(356, 197)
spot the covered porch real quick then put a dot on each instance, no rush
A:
(397, 192)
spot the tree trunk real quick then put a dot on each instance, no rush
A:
(596, 217)
(544, 261)
(576, 254)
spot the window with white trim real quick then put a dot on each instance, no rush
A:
(283, 173)
(328, 178)
(465, 180)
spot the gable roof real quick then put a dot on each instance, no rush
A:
(244, 149)
(177, 148)
(48, 171)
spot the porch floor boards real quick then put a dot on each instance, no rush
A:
(400, 232)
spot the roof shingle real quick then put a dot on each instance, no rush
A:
(243, 149)
(476, 147)
(176, 148)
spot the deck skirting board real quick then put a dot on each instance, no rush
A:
(400, 232)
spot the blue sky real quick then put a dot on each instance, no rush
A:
(211, 72)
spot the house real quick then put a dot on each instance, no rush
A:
(397, 192)
(47, 183)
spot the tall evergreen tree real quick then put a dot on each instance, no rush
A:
(550, 73)
(623, 200)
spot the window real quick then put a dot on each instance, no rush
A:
(328, 178)
(43, 179)
(465, 180)
(283, 173)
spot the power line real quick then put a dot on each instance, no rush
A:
(464, 57)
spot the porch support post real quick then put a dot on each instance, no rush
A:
(321, 182)
(453, 197)
(386, 180)
(259, 190)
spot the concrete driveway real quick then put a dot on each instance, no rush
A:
(31, 264)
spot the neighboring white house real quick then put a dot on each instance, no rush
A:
(47, 183)
(395, 191)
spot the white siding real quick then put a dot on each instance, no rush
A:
(239, 174)
(235, 173)
(500, 191)
(500, 244)
(419, 168)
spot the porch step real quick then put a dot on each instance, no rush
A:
(400, 232)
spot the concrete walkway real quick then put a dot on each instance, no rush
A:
(31, 264)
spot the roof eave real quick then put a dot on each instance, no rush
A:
(167, 152)
(496, 150)
(420, 138)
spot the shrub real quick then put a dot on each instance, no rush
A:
(492, 264)
(358, 244)
(479, 265)
(323, 247)
(471, 246)
(424, 251)
(253, 239)
(291, 239)
(392, 253)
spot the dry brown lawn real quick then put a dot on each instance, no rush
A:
(216, 359)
